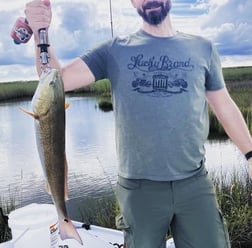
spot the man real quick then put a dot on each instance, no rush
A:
(162, 82)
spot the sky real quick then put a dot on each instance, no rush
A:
(79, 25)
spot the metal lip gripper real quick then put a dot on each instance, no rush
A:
(44, 55)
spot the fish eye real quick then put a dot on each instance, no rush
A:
(52, 83)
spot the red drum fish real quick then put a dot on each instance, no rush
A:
(48, 106)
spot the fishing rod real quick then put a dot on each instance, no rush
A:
(111, 18)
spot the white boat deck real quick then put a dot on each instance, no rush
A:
(99, 237)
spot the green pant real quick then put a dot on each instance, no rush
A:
(188, 208)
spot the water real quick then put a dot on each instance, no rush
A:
(90, 151)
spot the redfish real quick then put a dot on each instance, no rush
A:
(48, 106)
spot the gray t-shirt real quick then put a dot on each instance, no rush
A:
(159, 95)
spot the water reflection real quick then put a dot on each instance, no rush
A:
(89, 144)
(90, 152)
(224, 159)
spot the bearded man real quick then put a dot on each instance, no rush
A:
(162, 83)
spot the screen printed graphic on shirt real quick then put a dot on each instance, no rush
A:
(159, 76)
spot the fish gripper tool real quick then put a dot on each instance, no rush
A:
(43, 45)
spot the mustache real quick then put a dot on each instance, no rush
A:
(153, 4)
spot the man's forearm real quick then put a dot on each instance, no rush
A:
(236, 128)
(231, 119)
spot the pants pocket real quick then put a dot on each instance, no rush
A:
(129, 184)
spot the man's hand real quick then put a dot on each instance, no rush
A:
(38, 14)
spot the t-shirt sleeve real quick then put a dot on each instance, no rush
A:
(214, 74)
(96, 60)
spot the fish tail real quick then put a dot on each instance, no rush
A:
(68, 231)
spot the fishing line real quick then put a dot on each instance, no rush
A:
(111, 18)
(107, 176)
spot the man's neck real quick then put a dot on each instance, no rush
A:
(164, 29)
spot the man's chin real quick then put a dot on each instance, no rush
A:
(154, 18)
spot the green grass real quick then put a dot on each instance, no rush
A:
(234, 197)
(243, 98)
(236, 78)
(17, 90)
(238, 74)
(101, 87)
(99, 211)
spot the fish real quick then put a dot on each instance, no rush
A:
(48, 110)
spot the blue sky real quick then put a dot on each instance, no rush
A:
(79, 25)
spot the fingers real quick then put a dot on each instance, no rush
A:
(47, 3)
(38, 14)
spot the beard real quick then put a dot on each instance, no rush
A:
(155, 17)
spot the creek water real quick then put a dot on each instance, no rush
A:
(90, 148)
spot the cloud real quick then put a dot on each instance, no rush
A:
(230, 26)
(79, 25)
(9, 52)
(77, 29)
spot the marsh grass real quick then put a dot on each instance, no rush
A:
(26, 89)
(243, 98)
(101, 87)
(236, 78)
(100, 211)
(237, 74)
(8, 202)
(234, 197)
(16, 90)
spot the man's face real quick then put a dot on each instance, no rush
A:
(155, 11)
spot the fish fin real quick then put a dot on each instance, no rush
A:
(35, 116)
(66, 180)
(68, 231)
(67, 104)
